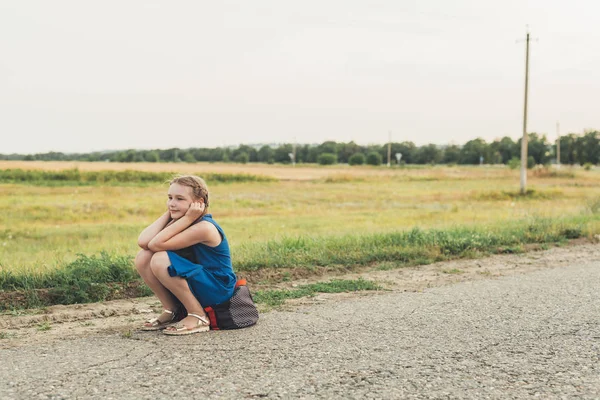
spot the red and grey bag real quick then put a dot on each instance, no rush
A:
(235, 313)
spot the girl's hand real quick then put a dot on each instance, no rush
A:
(195, 211)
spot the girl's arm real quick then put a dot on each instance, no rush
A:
(180, 234)
(152, 230)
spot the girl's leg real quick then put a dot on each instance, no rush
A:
(178, 286)
(142, 264)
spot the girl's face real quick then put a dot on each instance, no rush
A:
(180, 198)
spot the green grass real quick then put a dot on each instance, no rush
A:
(593, 205)
(75, 177)
(415, 246)
(514, 195)
(54, 228)
(44, 326)
(86, 272)
(6, 335)
(453, 271)
(109, 276)
(87, 279)
(278, 297)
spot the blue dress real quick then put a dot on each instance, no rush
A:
(207, 270)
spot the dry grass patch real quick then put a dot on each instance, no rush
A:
(42, 228)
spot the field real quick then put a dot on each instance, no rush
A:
(305, 217)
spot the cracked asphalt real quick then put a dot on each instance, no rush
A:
(517, 337)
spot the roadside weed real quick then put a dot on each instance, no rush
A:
(278, 297)
(44, 326)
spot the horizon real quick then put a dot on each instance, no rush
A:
(274, 145)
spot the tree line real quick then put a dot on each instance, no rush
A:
(574, 149)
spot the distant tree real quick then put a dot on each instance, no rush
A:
(226, 155)
(250, 152)
(282, 153)
(188, 157)
(537, 147)
(574, 148)
(152, 156)
(265, 154)
(327, 159)
(303, 153)
(357, 159)
(507, 149)
(588, 148)
(93, 157)
(407, 149)
(568, 149)
(328, 147)
(170, 155)
(451, 154)
(514, 163)
(126, 156)
(429, 154)
(473, 150)
(347, 150)
(242, 157)
(51, 156)
(374, 158)
(313, 154)
(201, 154)
(217, 154)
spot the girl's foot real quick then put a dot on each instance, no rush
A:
(167, 318)
(193, 323)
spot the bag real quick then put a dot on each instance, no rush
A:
(237, 312)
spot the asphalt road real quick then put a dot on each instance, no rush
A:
(523, 336)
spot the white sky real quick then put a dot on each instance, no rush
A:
(80, 76)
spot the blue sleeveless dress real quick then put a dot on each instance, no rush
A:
(207, 270)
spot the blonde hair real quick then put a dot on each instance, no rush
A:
(199, 188)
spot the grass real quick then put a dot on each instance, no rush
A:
(6, 335)
(594, 205)
(107, 277)
(415, 246)
(75, 177)
(453, 271)
(278, 297)
(361, 216)
(514, 195)
(87, 279)
(43, 228)
(44, 326)
(546, 172)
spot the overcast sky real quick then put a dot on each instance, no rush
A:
(81, 76)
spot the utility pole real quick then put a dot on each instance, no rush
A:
(389, 164)
(557, 145)
(524, 140)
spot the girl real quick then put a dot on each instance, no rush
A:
(185, 259)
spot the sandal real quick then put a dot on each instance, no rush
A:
(203, 325)
(155, 324)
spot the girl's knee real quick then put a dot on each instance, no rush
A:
(160, 262)
(142, 260)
